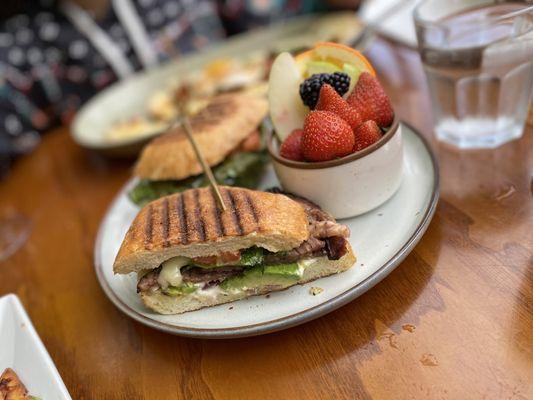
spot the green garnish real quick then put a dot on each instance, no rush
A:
(184, 288)
(252, 256)
(280, 274)
(242, 169)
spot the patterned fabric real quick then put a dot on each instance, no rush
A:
(48, 68)
(242, 15)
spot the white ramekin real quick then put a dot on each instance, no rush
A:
(348, 186)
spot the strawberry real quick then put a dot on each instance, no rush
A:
(291, 148)
(371, 101)
(366, 134)
(330, 100)
(326, 136)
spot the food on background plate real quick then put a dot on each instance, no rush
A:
(12, 388)
(134, 128)
(227, 131)
(333, 106)
(230, 74)
(163, 105)
(190, 254)
(193, 91)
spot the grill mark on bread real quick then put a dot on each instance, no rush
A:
(211, 115)
(233, 210)
(182, 220)
(148, 227)
(186, 221)
(165, 223)
(207, 209)
(200, 223)
(219, 227)
(174, 232)
(245, 215)
(252, 208)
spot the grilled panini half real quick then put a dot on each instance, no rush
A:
(219, 128)
(189, 254)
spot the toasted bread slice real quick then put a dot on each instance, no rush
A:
(164, 304)
(191, 224)
(218, 129)
(11, 387)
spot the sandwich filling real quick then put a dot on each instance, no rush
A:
(241, 168)
(251, 268)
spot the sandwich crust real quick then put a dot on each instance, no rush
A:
(191, 224)
(218, 129)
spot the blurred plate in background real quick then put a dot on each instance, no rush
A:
(128, 99)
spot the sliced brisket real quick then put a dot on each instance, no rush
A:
(149, 280)
(197, 274)
(311, 247)
(327, 229)
(322, 228)
(336, 247)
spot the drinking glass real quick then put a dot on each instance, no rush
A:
(478, 59)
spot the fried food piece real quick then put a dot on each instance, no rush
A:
(11, 388)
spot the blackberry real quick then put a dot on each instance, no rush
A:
(310, 88)
(340, 82)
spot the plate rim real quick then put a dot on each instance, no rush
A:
(290, 320)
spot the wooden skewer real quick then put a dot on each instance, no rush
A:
(207, 169)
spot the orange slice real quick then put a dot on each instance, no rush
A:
(326, 56)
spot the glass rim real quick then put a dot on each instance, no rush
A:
(480, 22)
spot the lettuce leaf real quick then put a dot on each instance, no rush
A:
(180, 290)
(252, 256)
(243, 169)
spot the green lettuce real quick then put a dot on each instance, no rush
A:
(243, 169)
(184, 288)
(252, 256)
(263, 275)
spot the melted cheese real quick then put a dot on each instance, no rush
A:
(170, 274)
(211, 293)
(305, 263)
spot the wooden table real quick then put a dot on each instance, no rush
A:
(453, 321)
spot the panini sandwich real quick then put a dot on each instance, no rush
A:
(189, 254)
(227, 130)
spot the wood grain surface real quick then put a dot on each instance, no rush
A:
(453, 321)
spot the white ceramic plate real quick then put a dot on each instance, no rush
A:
(23, 352)
(381, 239)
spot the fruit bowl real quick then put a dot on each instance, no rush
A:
(347, 186)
